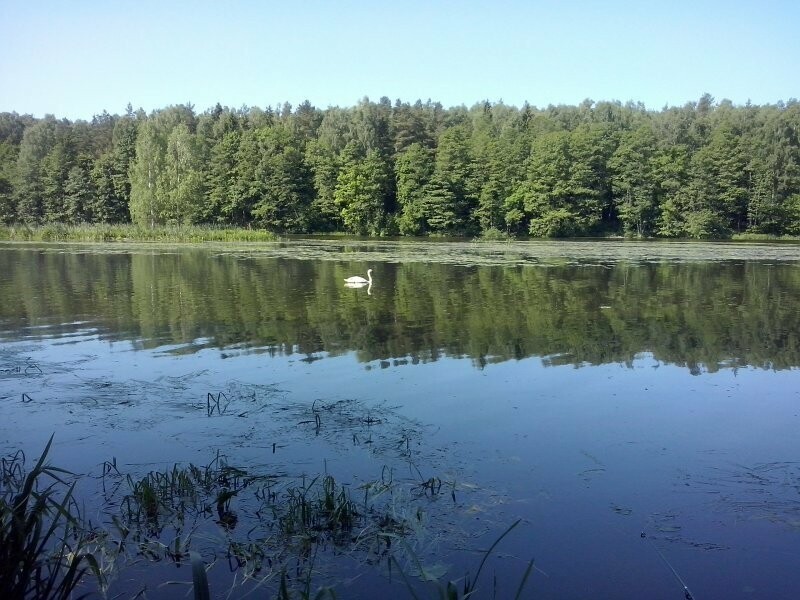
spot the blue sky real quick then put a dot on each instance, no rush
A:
(75, 59)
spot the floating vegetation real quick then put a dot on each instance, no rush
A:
(267, 529)
(255, 521)
(127, 239)
(378, 428)
(621, 510)
(525, 253)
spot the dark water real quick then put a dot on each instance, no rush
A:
(595, 391)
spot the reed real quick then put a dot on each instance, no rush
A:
(44, 547)
(101, 233)
(180, 491)
(285, 523)
(311, 510)
(763, 237)
(468, 588)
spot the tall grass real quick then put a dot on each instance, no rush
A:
(57, 232)
(764, 237)
(43, 545)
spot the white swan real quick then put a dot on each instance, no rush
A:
(358, 279)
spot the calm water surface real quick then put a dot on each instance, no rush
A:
(593, 390)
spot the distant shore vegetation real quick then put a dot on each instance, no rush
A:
(128, 232)
(703, 170)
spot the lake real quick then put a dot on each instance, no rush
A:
(634, 406)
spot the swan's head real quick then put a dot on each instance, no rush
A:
(369, 271)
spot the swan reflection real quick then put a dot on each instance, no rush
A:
(359, 284)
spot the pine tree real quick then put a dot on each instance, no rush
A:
(414, 171)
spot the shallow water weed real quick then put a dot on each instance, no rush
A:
(57, 232)
(261, 518)
(326, 509)
(263, 523)
(461, 589)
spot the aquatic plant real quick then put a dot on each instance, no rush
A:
(43, 533)
(326, 509)
(44, 546)
(287, 521)
(185, 498)
(59, 232)
(468, 587)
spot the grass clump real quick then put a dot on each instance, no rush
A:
(312, 510)
(764, 237)
(495, 235)
(43, 545)
(267, 529)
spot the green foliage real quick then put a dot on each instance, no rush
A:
(564, 194)
(145, 174)
(182, 182)
(557, 222)
(451, 198)
(132, 233)
(493, 234)
(79, 193)
(792, 211)
(37, 142)
(634, 181)
(325, 165)
(109, 203)
(221, 179)
(705, 169)
(672, 175)
(166, 184)
(283, 183)
(43, 543)
(8, 159)
(360, 195)
(414, 171)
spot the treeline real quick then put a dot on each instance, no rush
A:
(702, 170)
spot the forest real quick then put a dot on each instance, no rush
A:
(703, 170)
